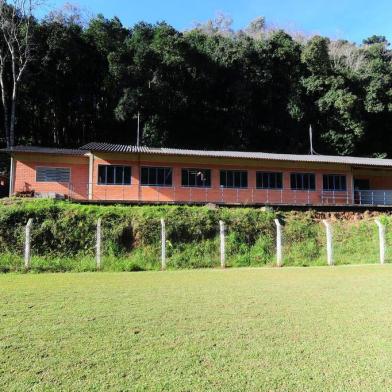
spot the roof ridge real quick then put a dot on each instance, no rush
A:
(121, 148)
(146, 148)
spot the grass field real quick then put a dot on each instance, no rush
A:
(292, 329)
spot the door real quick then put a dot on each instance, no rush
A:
(359, 186)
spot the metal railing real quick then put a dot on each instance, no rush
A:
(373, 197)
(245, 196)
(221, 195)
(336, 198)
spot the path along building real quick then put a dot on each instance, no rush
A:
(119, 173)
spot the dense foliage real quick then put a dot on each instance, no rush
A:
(63, 237)
(209, 87)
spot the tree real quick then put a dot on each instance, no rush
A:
(345, 54)
(256, 28)
(376, 39)
(332, 102)
(16, 20)
(69, 14)
(221, 25)
(211, 87)
(315, 55)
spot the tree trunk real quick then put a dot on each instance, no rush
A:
(5, 108)
(13, 116)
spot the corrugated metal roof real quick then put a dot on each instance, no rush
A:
(121, 148)
(346, 160)
(107, 147)
(45, 150)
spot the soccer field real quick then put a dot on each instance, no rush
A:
(290, 329)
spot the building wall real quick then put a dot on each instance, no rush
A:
(378, 179)
(25, 175)
(25, 179)
(215, 193)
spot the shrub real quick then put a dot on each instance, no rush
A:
(63, 237)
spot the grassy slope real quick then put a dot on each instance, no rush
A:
(63, 237)
(250, 329)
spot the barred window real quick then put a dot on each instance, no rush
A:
(114, 175)
(196, 177)
(53, 174)
(157, 176)
(268, 180)
(233, 179)
(303, 181)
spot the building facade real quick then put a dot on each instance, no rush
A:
(117, 173)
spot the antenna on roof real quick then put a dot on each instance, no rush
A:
(312, 151)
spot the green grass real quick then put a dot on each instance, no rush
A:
(292, 329)
(64, 237)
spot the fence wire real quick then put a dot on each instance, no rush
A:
(125, 247)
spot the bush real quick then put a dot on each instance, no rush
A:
(303, 240)
(63, 237)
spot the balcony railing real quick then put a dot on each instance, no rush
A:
(244, 196)
(373, 197)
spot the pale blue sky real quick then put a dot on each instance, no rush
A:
(349, 19)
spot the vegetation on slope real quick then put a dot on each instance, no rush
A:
(63, 237)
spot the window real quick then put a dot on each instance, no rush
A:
(159, 176)
(233, 179)
(361, 184)
(196, 177)
(53, 174)
(114, 175)
(303, 181)
(334, 182)
(268, 180)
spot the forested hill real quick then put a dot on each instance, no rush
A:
(205, 88)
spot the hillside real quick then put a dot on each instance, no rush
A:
(63, 236)
(256, 89)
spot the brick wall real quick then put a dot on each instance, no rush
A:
(25, 175)
(26, 164)
(215, 193)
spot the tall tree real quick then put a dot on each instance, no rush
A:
(16, 20)
(210, 87)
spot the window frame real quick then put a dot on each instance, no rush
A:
(157, 167)
(334, 179)
(259, 172)
(54, 167)
(114, 175)
(196, 186)
(303, 174)
(233, 179)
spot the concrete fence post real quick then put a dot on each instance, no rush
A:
(163, 245)
(381, 237)
(329, 242)
(98, 244)
(278, 243)
(222, 243)
(27, 250)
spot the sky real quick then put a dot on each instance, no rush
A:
(353, 20)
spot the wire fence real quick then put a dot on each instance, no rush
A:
(301, 244)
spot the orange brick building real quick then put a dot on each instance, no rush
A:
(119, 173)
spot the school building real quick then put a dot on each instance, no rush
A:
(121, 173)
